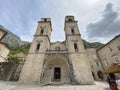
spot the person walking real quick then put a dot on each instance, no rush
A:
(112, 83)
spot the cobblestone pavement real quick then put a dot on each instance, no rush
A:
(8, 85)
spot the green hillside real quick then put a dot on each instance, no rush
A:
(24, 48)
(92, 45)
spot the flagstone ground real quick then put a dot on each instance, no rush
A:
(9, 85)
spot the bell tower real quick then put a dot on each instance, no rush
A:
(41, 41)
(76, 52)
(68, 63)
(32, 68)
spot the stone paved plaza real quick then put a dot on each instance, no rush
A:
(8, 85)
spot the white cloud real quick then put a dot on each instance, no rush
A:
(21, 16)
(106, 28)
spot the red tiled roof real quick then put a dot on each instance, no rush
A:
(21, 55)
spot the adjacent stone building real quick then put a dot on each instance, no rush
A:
(21, 57)
(59, 62)
(96, 67)
(110, 53)
(2, 33)
(4, 51)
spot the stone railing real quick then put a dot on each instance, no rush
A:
(57, 52)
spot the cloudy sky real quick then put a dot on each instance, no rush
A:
(98, 20)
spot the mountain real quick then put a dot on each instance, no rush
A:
(16, 45)
(25, 48)
(12, 39)
(88, 44)
(92, 45)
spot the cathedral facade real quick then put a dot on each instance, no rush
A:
(59, 62)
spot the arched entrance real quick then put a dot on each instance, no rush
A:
(93, 76)
(100, 75)
(56, 69)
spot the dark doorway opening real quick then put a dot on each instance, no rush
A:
(100, 75)
(93, 75)
(57, 73)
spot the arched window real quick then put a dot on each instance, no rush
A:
(69, 19)
(45, 19)
(93, 75)
(75, 46)
(38, 46)
(72, 31)
(42, 31)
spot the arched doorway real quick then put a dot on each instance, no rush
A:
(93, 76)
(56, 69)
(100, 75)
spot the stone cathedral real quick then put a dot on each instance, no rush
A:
(59, 62)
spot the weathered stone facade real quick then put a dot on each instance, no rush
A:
(21, 57)
(110, 53)
(60, 62)
(2, 33)
(4, 51)
(10, 71)
(95, 64)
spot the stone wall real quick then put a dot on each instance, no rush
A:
(10, 71)
(4, 51)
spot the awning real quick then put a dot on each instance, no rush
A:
(114, 68)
